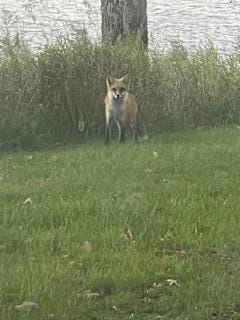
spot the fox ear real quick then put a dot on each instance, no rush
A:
(109, 81)
(126, 80)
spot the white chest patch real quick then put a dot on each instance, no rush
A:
(116, 104)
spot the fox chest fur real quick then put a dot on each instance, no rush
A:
(117, 107)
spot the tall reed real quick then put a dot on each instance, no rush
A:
(59, 90)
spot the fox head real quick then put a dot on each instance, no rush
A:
(118, 87)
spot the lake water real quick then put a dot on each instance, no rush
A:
(192, 22)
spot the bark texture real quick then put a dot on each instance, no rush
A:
(122, 18)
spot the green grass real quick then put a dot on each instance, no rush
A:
(177, 193)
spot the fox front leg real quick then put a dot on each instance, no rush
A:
(107, 129)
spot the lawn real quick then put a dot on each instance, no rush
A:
(146, 230)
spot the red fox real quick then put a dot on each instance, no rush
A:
(120, 106)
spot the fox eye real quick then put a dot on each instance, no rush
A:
(114, 89)
(122, 89)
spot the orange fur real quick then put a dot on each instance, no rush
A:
(121, 106)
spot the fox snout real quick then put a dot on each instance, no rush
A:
(117, 94)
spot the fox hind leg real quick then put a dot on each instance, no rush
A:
(123, 134)
(121, 130)
(133, 126)
(135, 134)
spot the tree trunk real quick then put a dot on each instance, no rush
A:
(123, 18)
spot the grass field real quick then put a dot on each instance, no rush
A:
(162, 221)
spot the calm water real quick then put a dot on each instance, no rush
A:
(192, 22)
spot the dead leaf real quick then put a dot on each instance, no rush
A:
(53, 158)
(90, 295)
(128, 237)
(87, 247)
(28, 200)
(116, 309)
(27, 306)
(181, 253)
(81, 126)
(172, 282)
(128, 234)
